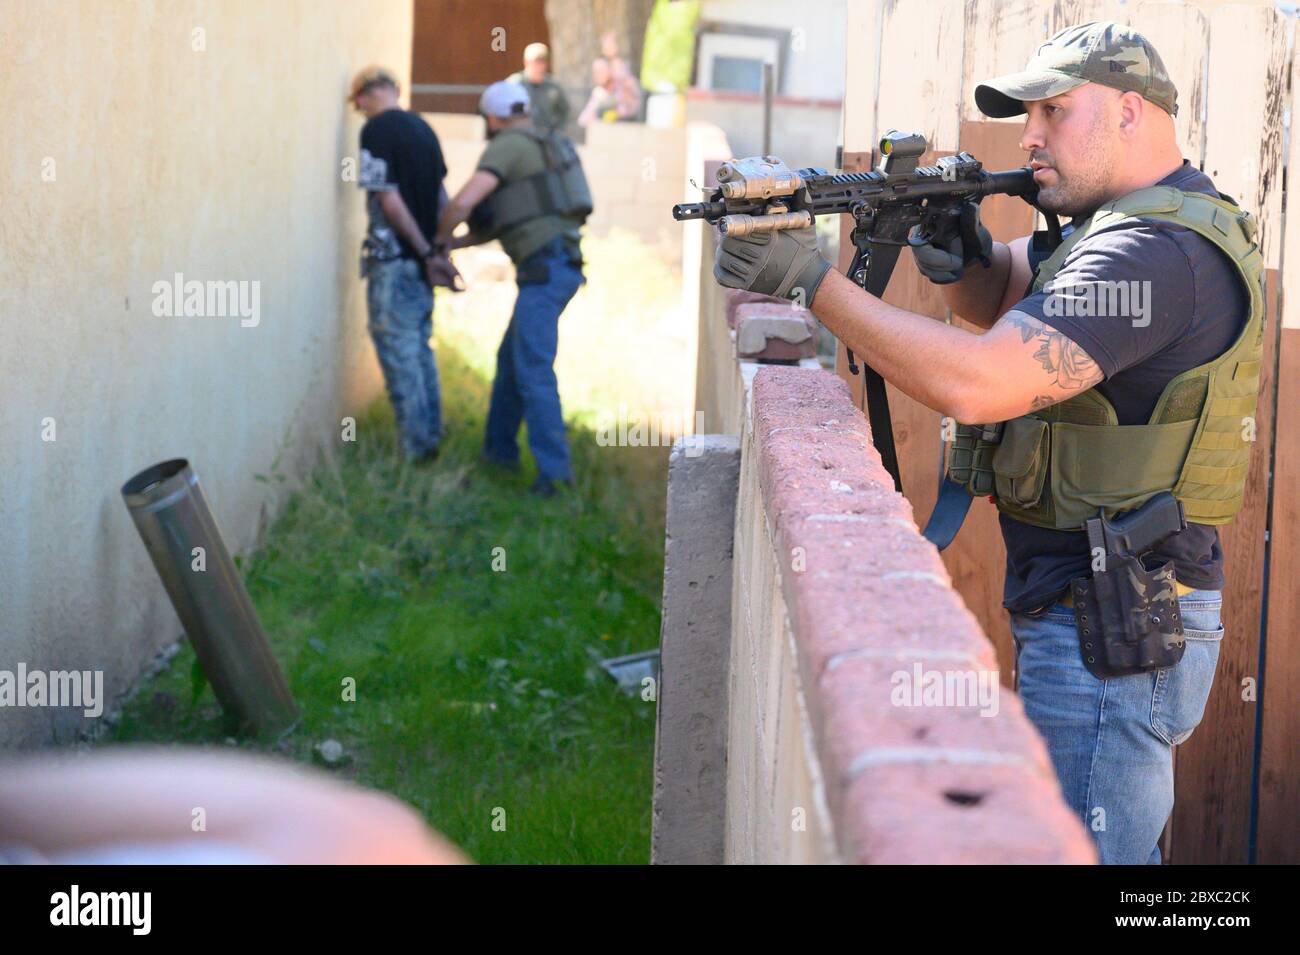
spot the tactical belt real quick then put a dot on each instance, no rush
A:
(1067, 598)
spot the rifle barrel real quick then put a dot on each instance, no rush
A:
(699, 210)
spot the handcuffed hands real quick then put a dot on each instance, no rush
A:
(945, 262)
(441, 273)
(786, 264)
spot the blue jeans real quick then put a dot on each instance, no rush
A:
(401, 324)
(525, 387)
(1112, 741)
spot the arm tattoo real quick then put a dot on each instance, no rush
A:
(1066, 365)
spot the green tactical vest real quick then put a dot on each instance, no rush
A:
(560, 189)
(1057, 467)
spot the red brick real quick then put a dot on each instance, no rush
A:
(904, 784)
(956, 813)
(737, 297)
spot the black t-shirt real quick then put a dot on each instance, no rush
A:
(1192, 310)
(400, 151)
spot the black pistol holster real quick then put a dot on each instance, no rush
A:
(1127, 616)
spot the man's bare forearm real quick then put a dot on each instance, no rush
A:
(455, 213)
(479, 187)
(979, 293)
(926, 359)
(400, 218)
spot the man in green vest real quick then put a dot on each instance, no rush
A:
(529, 191)
(1119, 365)
(548, 105)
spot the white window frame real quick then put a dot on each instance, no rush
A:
(764, 49)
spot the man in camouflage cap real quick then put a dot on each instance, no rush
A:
(1094, 63)
(1105, 53)
(1085, 401)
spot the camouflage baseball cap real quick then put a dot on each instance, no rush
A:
(1102, 52)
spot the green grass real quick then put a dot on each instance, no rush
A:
(476, 690)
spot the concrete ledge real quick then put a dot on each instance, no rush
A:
(868, 599)
(690, 781)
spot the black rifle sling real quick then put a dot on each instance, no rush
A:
(954, 500)
(880, 266)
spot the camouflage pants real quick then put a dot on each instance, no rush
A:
(401, 324)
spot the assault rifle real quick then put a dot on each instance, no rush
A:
(762, 194)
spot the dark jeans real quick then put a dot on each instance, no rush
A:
(525, 387)
(401, 324)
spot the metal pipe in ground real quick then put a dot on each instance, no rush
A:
(205, 587)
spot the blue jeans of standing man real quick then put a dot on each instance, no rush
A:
(401, 323)
(525, 388)
(1112, 741)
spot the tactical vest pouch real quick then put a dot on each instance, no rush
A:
(1113, 468)
(970, 462)
(1127, 619)
(1020, 462)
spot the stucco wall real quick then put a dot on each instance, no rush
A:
(131, 156)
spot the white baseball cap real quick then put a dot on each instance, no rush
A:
(503, 100)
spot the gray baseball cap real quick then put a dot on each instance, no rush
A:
(1102, 52)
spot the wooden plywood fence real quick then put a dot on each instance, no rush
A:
(914, 65)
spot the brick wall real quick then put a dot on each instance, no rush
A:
(838, 601)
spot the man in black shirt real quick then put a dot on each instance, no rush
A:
(1192, 307)
(1099, 132)
(402, 171)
